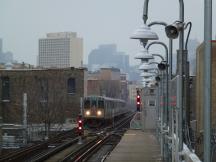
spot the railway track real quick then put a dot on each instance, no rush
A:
(74, 152)
(30, 151)
(91, 147)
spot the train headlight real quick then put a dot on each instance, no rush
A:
(99, 113)
(87, 113)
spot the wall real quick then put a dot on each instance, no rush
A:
(199, 95)
(47, 91)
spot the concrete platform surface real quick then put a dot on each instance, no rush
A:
(136, 146)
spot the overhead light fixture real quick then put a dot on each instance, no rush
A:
(144, 33)
(162, 66)
(149, 79)
(146, 66)
(143, 74)
(144, 55)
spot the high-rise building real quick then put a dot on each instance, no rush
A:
(60, 50)
(107, 56)
(5, 57)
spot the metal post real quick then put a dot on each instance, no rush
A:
(158, 109)
(25, 134)
(145, 11)
(167, 78)
(162, 115)
(170, 58)
(207, 79)
(181, 48)
(166, 103)
(80, 142)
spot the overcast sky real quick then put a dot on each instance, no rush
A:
(23, 22)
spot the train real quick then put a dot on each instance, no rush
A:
(100, 110)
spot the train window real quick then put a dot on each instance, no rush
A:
(101, 103)
(87, 103)
(94, 103)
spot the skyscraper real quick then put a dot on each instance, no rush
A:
(106, 55)
(60, 50)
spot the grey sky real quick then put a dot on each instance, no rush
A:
(23, 22)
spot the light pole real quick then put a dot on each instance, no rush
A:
(207, 79)
(167, 79)
(166, 110)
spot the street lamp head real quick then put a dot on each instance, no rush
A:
(157, 78)
(144, 55)
(172, 31)
(144, 34)
(162, 66)
(147, 79)
(146, 66)
(143, 74)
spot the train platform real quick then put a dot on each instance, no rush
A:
(139, 143)
(136, 146)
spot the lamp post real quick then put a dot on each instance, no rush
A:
(170, 45)
(207, 79)
(167, 79)
(166, 110)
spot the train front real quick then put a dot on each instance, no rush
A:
(93, 111)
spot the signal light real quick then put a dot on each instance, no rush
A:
(138, 102)
(80, 125)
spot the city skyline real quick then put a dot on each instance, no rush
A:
(24, 22)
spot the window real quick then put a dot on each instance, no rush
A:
(71, 86)
(5, 89)
(152, 103)
(87, 103)
(100, 103)
(43, 89)
(93, 103)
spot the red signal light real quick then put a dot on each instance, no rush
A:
(80, 125)
(138, 99)
(138, 102)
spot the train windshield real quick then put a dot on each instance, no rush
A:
(94, 103)
(87, 103)
(100, 103)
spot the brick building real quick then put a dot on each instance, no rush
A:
(200, 95)
(53, 95)
(108, 82)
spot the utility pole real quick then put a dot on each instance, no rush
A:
(25, 134)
